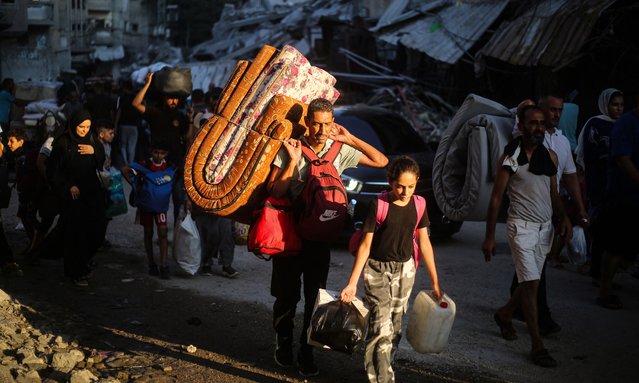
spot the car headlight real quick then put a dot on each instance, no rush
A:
(351, 184)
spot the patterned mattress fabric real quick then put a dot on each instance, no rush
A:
(262, 103)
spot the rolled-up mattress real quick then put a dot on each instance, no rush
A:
(466, 160)
(262, 104)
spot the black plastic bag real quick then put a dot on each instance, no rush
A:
(339, 326)
(174, 81)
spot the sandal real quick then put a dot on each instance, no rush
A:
(542, 358)
(611, 302)
(507, 330)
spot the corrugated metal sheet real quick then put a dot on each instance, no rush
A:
(549, 33)
(450, 32)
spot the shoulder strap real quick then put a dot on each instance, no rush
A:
(420, 206)
(330, 156)
(139, 167)
(382, 208)
(333, 151)
(308, 153)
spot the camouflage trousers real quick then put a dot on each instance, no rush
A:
(388, 286)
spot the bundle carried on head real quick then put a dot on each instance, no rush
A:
(263, 103)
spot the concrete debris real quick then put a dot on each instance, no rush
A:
(33, 355)
(427, 112)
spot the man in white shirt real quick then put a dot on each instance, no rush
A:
(567, 172)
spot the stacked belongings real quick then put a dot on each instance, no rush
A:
(262, 104)
(467, 158)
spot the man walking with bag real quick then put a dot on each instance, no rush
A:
(288, 177)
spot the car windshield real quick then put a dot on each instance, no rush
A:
(387, 132)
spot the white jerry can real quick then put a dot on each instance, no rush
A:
(430, 322)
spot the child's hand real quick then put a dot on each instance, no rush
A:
(437, 293)
(348, 294)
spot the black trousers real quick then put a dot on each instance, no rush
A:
(311, 267)
(84, 226)
(6, 254)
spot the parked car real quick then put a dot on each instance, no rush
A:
(392, 135)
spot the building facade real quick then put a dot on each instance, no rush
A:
(40, 39)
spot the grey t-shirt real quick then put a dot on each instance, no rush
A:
(348, 157)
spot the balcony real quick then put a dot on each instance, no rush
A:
(40, 13)
(102, 37)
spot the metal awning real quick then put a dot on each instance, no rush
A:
(549, 33)
(444, 30)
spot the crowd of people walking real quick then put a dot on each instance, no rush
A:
(553, 186)
(57, 170)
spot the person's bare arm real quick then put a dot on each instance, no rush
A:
(190, 131)
(499, 187)
(571, 183)
(280, 178)
(139, 98)
(565, 226)
(428, 255)
(370, 156)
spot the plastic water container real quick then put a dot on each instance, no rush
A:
(430, 322)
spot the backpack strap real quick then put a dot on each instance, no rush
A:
(333, 151)
(382, 208)
(138, 167)
(330, 156)
(420, 206)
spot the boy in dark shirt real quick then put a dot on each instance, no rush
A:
(28, 180)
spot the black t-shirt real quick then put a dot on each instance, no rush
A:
(169, 126)
(393, 240)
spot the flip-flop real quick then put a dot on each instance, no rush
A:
(507, 330)
(611, 302)
(542, 358)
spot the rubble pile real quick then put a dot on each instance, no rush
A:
(427, 112)
(31, 354)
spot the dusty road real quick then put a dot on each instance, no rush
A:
(229, 319)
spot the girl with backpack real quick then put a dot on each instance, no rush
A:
(386, 256)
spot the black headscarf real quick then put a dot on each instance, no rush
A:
(76, 119)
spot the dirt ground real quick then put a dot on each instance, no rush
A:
(229, 320)
(125, 311)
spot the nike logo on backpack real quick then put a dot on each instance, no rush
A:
(328, 215)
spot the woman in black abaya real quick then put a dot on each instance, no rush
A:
(76, 157)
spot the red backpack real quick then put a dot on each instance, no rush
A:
(322, 205)
(382, 212)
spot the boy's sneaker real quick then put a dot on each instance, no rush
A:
(229, 271)
(206, 270)
(306, 364)
(164, 272)
(284, 351)
(153, 270)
